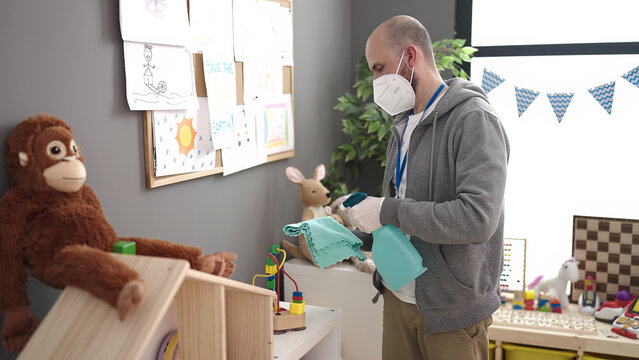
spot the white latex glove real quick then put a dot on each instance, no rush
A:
(365, 215)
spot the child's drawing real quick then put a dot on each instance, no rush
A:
(243, 151)
(148, 74)
(159, 77)
(262, 78)
(212, 26)
(278, 124)
(182, 141)
(219, 74)
(155, 21)
(155, 7)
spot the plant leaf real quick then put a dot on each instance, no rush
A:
(350, 156)
(374, 126)
(346, 147)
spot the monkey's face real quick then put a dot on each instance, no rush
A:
(56, 154)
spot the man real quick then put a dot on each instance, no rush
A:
(444, 186)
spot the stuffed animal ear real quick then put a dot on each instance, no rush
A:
(294, 175)
(320, 172)
(24, 159)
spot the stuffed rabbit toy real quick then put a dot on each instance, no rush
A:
(315, 198)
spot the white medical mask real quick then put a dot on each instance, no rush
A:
(393, 93)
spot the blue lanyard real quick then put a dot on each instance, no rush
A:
(399, 170)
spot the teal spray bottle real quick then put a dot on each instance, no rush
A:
(394, 256)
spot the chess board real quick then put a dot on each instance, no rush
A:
(607, 249)
(574, 323)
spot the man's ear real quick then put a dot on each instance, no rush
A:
(411, 55)
(24, 159)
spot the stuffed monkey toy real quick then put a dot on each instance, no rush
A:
(53, 224)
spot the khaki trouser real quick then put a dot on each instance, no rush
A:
(403, 336)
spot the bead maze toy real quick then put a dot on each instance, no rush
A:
(283, 319)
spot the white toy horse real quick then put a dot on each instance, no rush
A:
(556, 286)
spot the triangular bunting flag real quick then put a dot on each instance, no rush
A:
(525, 97)
(559, 103)
(632, 76)
(490, 80)
(604, 95)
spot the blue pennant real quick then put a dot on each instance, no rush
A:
(604, 95)
(490, 80)
(560, 103)
(525, 97)
(632, 76)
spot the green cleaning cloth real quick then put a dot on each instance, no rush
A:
(328, 241)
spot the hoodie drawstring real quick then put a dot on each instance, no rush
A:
(432, 157)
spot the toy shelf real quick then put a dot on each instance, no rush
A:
(581, 342)
(218, 318)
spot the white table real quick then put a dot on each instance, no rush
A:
(342, 286)
(319, 341)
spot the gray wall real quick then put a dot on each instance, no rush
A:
(438, 16)
(65, 58)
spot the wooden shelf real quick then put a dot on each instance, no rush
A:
(563, 340)
(218, 318)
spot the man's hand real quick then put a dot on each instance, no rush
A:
(365, 215)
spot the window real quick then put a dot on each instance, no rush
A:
(519, 22)
(583, 161)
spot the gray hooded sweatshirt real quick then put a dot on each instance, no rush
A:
(454, 205)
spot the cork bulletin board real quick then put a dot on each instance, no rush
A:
(152, 180)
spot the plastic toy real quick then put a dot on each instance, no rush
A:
(52, 223)
(518, 300)
(529, 300)
(294, 318)
(169, 348)
(555, 305)
(124, 247)
(556, 286)
(610, 310)
(588, 300)
(628, 323)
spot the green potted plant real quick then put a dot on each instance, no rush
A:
(368, 126)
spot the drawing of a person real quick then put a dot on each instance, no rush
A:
(148, 75)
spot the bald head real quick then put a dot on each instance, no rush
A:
(401, 45)
(401, 31)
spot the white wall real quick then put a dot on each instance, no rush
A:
(584, 165)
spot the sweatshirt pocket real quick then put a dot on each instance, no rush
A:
(441, 289)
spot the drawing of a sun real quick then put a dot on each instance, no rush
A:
(186, 135)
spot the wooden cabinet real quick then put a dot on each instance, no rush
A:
(217, 318)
